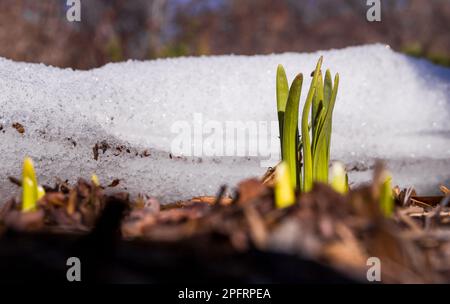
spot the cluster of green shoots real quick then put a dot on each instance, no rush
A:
(306, 151)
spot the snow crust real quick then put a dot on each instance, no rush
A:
(389, 106)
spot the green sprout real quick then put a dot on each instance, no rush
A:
(31, 191)
(40, 192)
(95, 180)
(312, 144)
(28, 195)
(339, 178)
(386, 196)
(284, 192)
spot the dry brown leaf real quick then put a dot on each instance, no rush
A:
(250, 189)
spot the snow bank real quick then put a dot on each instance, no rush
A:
(389, 106)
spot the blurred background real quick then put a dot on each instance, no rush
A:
(117, 30)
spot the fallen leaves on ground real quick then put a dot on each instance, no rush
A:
(341, 231)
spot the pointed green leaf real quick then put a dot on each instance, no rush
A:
(321, 156)
(328, 92)
(318, 123)
(327, 88)
(316, 105)
(320, 160)
(282, 97)
(290, 127)
(307, 156)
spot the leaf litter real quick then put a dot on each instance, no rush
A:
(339, 231)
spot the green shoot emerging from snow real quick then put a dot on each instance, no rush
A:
(95, 180)
(386, 196)
(31, 191)
(284, 192)
(339, 179)
(306, 152)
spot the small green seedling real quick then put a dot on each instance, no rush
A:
(306, 153)
(284, 192)
(95, 180)
(28, 195)
(386, 196)
(31, 191)
(339, 179)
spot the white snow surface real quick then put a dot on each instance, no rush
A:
(389, 106)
